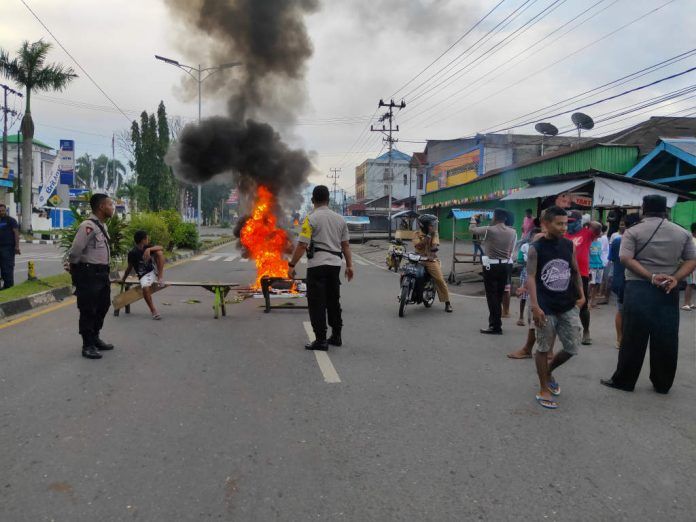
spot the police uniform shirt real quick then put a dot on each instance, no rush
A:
(90, 245)
(327, 230)
(497, 241)
(664, 252)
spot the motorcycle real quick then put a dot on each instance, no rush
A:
(416, 284)
(394, 255)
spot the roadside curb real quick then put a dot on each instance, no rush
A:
(24, 304)
(39, 241)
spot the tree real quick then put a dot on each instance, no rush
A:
(212, 194)
(137, 196)
(150, 140)
(30, 70)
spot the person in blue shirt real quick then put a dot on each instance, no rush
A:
(618, 279)
(9, 246)
(596, 271)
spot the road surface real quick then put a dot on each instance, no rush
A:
(193, 418)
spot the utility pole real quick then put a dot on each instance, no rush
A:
(334, 176)
(5, 111)
(390, 140)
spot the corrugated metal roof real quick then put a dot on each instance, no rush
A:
(687, 145)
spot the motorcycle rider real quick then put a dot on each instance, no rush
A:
(426, 243)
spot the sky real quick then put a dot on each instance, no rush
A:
(367, 50)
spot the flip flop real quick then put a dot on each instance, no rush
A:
(156, 317)
(526, 356)
(688, 308)
(546, 403)
(521, 323)
(554, 387)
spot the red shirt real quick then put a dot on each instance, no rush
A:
(582, 241)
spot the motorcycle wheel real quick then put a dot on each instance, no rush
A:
(428, 295)
(402, 300)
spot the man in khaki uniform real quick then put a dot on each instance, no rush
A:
(89, 258)
(427, 243)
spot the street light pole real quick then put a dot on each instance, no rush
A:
(198, 77)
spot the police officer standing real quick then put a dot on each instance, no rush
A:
(89, 258)
(9, 246)
(325, 238)
(498, 244)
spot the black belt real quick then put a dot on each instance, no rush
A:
(90, 267)
(339, 254)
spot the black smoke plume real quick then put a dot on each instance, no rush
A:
(253, 152)
(270, 39)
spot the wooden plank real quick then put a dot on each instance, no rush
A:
(131, 296)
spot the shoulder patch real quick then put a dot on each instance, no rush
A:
(306, 231)
(88, 229)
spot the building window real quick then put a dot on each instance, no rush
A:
(420, 181)
(405, 179)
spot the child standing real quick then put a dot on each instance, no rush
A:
(596, 270)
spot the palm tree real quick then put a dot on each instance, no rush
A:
(83, 171)
(30, 70)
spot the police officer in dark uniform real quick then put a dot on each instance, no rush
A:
(89, 258)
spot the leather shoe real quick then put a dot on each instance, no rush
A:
(334, 340)
(491, 331)
(90, 352)
(102, 346)
(611, 384)
(321, 346)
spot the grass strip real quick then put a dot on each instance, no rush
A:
(28, 288)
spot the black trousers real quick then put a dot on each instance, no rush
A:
(585, 310)
(648, 315)
(93, 291)
(323, 298)
(7, 264)
(494, 281)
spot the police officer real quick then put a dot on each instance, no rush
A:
(498, 244)
(89, 258)
(325, 238)
(427, 243)
(9, 246)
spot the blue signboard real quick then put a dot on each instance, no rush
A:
(67, 162)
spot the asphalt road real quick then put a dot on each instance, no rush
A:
(48, 260)
(193, 418)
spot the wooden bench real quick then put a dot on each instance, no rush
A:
(132, 292)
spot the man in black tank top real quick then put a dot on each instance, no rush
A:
(555, 295)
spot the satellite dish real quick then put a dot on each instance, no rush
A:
(547, 129)
(582, 121)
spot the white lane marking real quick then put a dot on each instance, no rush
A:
(231, 258)
(361, 262)
(215, 258)
(244, 260)
(198, 258)
(303, 260)
(325, 365)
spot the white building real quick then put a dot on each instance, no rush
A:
(43, 156)
(372, 178)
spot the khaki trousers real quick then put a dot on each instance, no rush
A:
(433, 268)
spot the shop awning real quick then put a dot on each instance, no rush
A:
(607, 191)
(458, 213)
(547, 189)
(615, 193)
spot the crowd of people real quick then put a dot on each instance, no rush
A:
(570, 265)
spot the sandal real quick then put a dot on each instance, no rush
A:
(546, 403)
(156, 317)
(688, 308)
(521, 323)
(554, 387)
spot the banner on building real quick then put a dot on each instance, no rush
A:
(50, 184)
(67, 162)
(458, 170)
